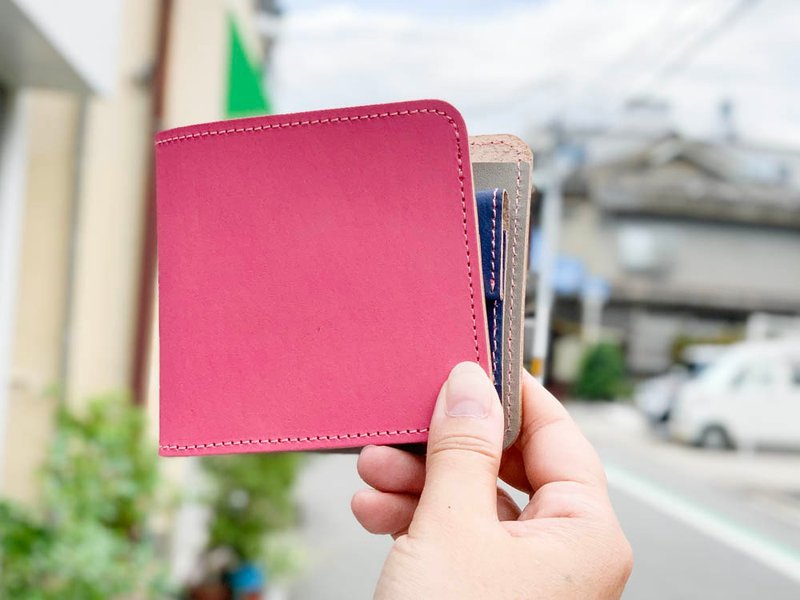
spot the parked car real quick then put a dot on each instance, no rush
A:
(749, 396)
(656, 396)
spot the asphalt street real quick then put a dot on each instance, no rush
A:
(710, 525)
(702, 524)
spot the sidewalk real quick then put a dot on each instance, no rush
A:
(344, 561)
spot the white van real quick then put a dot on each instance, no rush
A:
(749, 396)
(656, 396)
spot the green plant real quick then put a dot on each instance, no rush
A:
(89, 540)
(252, 502)
(601, 375)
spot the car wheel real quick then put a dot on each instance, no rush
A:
(714, 437)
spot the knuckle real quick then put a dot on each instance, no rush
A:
(619, 561)
(463, 444)
(626, 559)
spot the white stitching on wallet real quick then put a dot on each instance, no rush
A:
(517, 197)
(289, 440)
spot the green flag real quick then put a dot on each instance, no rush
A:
(246, 94)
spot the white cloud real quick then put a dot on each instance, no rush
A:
(528, 63)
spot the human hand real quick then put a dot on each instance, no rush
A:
(457, 535)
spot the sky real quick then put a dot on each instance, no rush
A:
(512, 66)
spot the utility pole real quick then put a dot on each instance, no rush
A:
(564, 161)
(545, 293)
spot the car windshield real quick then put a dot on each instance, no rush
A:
(722, 372)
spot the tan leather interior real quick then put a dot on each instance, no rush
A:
(505, 161)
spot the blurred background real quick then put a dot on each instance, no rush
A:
(665, 259)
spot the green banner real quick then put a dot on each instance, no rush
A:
(246, 93)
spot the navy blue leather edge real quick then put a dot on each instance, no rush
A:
(492, 238)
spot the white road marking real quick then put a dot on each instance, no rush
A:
(780, 558)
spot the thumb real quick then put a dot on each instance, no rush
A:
(464, 448)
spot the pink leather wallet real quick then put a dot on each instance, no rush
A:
(319, 276)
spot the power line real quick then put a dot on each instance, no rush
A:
(683, 56)
(639, 44)
(632, 53)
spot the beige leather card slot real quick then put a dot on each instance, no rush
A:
(506, 162)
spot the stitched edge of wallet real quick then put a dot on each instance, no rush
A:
(289, 440)
(494, 279)
(514, 236)
(207, 134)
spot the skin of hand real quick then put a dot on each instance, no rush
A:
(457, 535)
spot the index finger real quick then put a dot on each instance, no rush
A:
(552, 447)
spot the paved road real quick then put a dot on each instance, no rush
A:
(703, 525)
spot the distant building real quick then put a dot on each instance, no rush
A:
(692, 236)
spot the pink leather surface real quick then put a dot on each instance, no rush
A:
(319, 275)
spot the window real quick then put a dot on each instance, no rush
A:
(755, 376)
(796, 375)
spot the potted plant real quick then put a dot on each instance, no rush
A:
(90, 538)
(252, 507)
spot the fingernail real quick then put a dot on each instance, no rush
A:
(468, 392)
